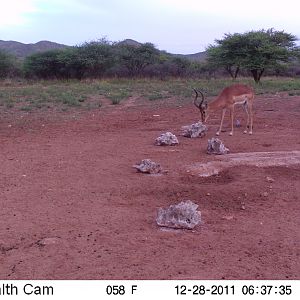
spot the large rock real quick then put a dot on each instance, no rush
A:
(166, 139)
(195, 130)
(183, 215)
(148, 166)
(215, 146)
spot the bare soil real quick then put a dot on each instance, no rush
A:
(73, 207)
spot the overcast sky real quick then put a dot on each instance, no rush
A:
(177, 26)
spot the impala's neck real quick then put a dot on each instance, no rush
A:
(216, 104)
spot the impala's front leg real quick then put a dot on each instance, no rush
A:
(248, 117)
(222, 119)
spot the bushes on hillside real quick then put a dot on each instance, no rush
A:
(89, 60)
(99, 59)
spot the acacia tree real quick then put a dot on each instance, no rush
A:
(7, 64)
(136, 58)
(226, 54)
(254, 51)
(267, 49)
(44, 65)
(95, 57)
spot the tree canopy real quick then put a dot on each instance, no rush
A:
(254, 51)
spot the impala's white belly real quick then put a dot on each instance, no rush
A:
(241, 102)
(241, 99)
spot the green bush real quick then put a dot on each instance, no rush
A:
(9, 66)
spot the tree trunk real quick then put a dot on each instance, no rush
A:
(228, 69)
(236, 72)
(256, 73)
(260, 74)
(232, 73)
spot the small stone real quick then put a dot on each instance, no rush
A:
(48, 241)
(183, 215)
(166, 139)
(270, 179)
(237, 123)
(215, 146)
(265, 194)
(148, 166)
(194, 130)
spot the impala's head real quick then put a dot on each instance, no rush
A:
(202, 106)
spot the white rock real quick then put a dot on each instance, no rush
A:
(148, 166)
(166, 139)
(194, 130)
(183, 215)
(270, 179)
(215, 146)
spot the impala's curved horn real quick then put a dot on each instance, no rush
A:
(197, 95)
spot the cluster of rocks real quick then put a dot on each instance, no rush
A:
(192, 131)
(183, 215)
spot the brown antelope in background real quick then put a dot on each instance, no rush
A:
(227, 99)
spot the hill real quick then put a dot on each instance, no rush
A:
(198, 57)
(130, 42)
(21, 50)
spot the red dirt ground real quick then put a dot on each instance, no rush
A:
(72, 206)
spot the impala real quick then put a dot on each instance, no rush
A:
(227, 99)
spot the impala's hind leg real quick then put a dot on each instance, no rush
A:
(251, 117)
(248, 117)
